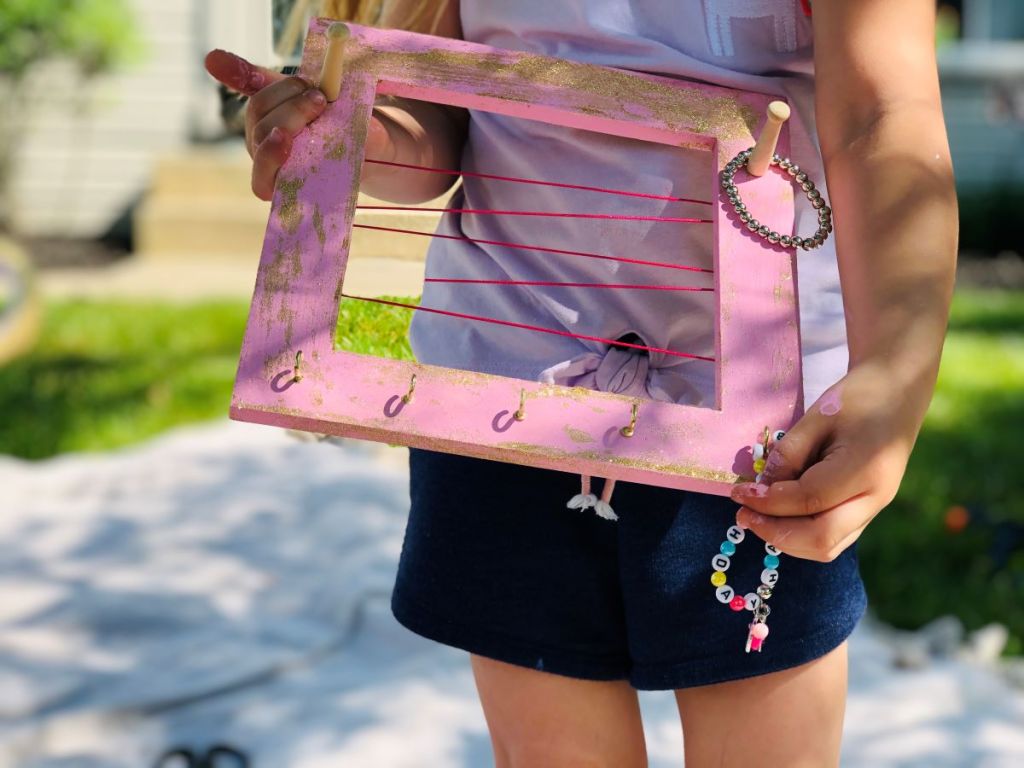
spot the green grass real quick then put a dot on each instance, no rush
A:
(969, 454)
(375, 329)
(107, 374)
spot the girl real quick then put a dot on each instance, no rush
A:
(566, 615)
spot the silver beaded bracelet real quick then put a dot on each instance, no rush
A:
(759, 229)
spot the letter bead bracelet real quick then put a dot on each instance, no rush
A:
(757, 602)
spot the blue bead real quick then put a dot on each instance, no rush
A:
(727, 548)
(771, 561)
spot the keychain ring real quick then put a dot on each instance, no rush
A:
(759, 229)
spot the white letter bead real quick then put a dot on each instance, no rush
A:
(772, 550)
(769, 576)
(735, 534)
(724, 593)
(751, 599)
(721, 562)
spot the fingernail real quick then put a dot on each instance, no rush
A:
(276, 135)
(316, 96)
(255, 80)
(251, 78)
(750, 490)
(831, 403)
(782, 535)
(773, 462)
(741, 519)
(746, 518)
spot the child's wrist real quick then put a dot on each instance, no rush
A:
(909, 378)
(417, 134)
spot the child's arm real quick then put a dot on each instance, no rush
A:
(405, 131)
(417, 133)
(890, 179)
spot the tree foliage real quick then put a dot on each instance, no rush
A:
(95, 34)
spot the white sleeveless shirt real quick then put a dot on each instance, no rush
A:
(756, 45)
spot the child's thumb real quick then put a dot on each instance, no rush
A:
(238, 74)
(789, 457)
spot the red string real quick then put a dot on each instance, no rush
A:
(541, 249)
(546, 214)
(561, 185)
(526, 327)
(553, 284)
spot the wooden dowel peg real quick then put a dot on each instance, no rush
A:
(630, 430)
(761, 157)
(407, 397)
(334, 60)
(520, 415)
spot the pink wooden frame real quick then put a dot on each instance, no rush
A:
(301, 272)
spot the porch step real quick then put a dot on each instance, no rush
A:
(201, 206)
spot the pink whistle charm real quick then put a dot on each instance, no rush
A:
(755, 638)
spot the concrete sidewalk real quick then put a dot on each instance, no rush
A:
(227, 583)
(190, 280)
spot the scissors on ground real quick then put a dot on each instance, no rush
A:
(217, 756)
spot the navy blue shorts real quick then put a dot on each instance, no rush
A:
(495, 564)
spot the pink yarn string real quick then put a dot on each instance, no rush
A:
(524, 326)
(538, 248)
(537, 182)
(542, 214)
(554, 284)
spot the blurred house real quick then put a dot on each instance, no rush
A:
(983, 93)
(142, 141)
(90, 148)
(145, 151)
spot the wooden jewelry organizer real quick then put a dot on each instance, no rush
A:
(291, 375)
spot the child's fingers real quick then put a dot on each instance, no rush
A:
(238, 74)
(789, 457)
(276, 95)
(291, 116)
(270, 155)
(822, 537)
(826, 484)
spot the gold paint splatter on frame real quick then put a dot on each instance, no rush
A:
(289, 212)
(282, 270)
(318, 225)
(287, 316)
(578, 435)
(676, 108)
(622, 461)
(338, 151)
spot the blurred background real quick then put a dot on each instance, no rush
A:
(164, 581)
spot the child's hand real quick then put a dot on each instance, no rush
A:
(839, 466)
(279, 108)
